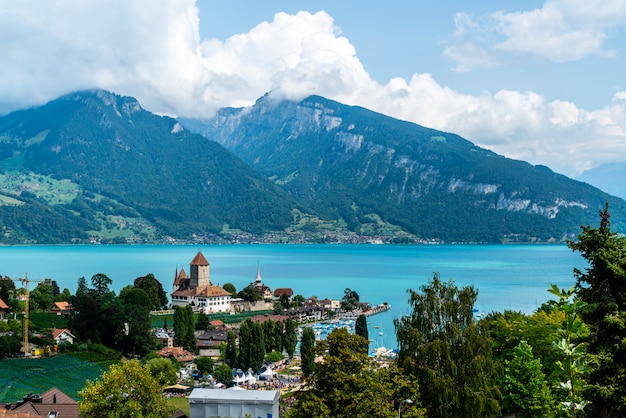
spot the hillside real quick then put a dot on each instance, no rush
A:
(93, 163)
(353, 164)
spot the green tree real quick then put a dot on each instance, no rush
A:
(203, 322)
(41, 297)
(268, 335)
(250, 293)
(190, 341)
(350, 300)
(224, 374)
(163, 370)
(602, 287)
(525, 390)
(231, 349)
(290, 338)
(257, 347)
(154, 290)
(447, 352)
(100, 288)
(360, 327)
(7, 288)
(230, 288)
(126, 390)
(205, 365)
(574, 359)
(347, 384)
(245, 342)
(307, 351)
(139, 338)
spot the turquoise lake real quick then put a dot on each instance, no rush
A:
(514, 277)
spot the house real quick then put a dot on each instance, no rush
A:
(196, 289)
(62, 335)
(180, 354)
(51, 403)
(331, 304)
(3, 308)
(283, 291)
(216, 323)
(165, 338)
(61, 308)
(233, 403)
(210, 341)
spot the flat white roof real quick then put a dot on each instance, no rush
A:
(199, 395)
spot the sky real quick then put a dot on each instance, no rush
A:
(540, 81)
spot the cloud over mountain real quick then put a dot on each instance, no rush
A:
(156, 54)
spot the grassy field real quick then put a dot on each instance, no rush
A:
(180, 403)
(36, 375)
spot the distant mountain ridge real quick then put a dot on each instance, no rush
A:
(144, 167)
(351, 163)
(93, 166)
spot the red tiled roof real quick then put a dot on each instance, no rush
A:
(275, 318)
(206, 291)
(216, 323)
(283, 291)
(179, 353)
(61, 306)
(199, 260)
(3, 305)
(59, 331)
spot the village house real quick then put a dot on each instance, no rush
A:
(51, 403)
(180, 354)
(287, 291)
(62, 335)
(61, 308)
(197, 290)
(210, 341)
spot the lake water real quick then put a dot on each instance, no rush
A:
(512, 277)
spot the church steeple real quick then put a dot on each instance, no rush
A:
(258, 280)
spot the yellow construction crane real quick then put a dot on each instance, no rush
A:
(25, 282)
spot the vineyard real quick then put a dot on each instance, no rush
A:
(66, 372)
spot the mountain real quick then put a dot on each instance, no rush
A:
(607, 177)
(360, 167)
(93, 165)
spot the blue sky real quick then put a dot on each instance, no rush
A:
(540, 81)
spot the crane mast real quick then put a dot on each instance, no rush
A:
(25, 282)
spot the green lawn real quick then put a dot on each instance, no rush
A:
(36, 375)
(180, 403)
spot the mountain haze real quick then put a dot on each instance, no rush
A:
(354, 164)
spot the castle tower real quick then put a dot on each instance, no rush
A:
(199, 271)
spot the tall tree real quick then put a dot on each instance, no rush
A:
(525, 390)
(347, 384)
(360, 327)
(307, 351)
(245, 341)
(163, 370)
(350, 300)
(602, 287)
(447, 352)
(231, 348)
(126, 390)
(257, 347)
(153, 289)
(290, 338)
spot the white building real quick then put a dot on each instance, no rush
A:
(197, 290)
(233, 403)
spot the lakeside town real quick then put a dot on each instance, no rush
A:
(195, 294)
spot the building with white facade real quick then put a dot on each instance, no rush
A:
(233, 403)
(196, 289)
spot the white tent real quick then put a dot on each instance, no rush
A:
(267, 374)
(250, 379)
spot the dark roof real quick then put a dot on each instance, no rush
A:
(199, 260)
(283, 291)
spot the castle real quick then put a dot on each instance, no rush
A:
(196, 289)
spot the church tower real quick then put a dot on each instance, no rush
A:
(199, 272)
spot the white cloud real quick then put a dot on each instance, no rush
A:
(155, 54)
(559, 31)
